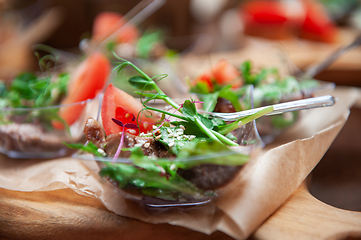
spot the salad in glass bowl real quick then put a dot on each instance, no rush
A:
(147, 49)
(39, 112)
(225, 88)
(121, 36)
(162, 152)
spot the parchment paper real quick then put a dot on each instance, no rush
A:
(261, 187)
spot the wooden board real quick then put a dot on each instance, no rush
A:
(45, 216)
(55, 215)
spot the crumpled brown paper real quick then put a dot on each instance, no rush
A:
(261, 187)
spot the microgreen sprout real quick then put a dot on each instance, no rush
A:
(127, 125)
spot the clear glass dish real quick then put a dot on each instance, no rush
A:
(198, 184)
(273, 88)
(30, 132)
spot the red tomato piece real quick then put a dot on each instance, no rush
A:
(225, 73)
(317, 25)
(85, 83)
(265, 11)
(122, 106)
(108, 22)
(206, 78)
(272, 19)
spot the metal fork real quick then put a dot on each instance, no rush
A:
(316, 102)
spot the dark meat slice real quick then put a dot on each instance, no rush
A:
(224, 106)
(113, 141)
(30, 137)
(209, 176)
(94, 132)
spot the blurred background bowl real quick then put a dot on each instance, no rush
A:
(33, 133)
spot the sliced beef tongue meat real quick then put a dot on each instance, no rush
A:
(94, 133)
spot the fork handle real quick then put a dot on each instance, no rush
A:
(323, 101)
(297, 105)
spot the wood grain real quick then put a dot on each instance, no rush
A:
(304, 217)
(43, 215)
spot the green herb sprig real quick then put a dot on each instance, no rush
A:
(187, 110)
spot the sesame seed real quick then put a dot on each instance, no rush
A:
(169, 130)
(155, 127)
(158, 137)
(131, 131)
(145, 125)
(191, 137)
(127, 115)
(172, 167)
(171, 135)
(157, 132)
(171, 144)
(138, 145)
(240, 124)
(180, 131)
(146, 145)
(179, 138)
(182, 127)
(101, 151)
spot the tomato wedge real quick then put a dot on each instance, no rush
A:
(124, 107)
(206, 78)
(107, 22)
(317, 25)
(85, 83)
(225, 73)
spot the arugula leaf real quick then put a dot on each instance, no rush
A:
(26, 90)
(89, 148)
(189, 110)
(209, 151)
(159, 177)
(288, 85)
(255, 78)
(281, 121)
(191, 129)
(209, 101)
(307, 84)
(149, 180)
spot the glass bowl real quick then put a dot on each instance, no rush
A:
(183, 181)
(31, 132)
(277, 86)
